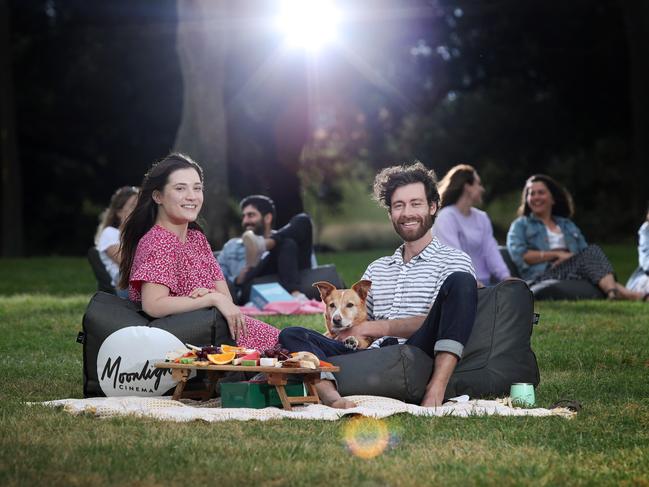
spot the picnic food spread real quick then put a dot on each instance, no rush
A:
(276, 363)
(231, 355)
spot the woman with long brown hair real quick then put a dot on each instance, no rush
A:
(167, 262)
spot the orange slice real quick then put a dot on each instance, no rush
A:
(221, 358)
(231, 348)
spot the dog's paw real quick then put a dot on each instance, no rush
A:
(351, 343)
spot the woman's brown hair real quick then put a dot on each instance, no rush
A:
(452, 184)
(109, 217)
(563, 205)
(146, 210)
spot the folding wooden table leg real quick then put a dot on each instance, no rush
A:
(310, 381)
(279, 381)
(180, 375)
(213, 377)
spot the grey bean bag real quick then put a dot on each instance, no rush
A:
(552, 289)
(107, 314)
(498, 354)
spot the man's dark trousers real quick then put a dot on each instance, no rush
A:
(451, 318)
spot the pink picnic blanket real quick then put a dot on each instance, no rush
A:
(286, 308)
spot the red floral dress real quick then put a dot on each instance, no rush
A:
(161, 258)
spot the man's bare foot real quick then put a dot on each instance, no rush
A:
(300, 296)
(255, 246)
(330, 396)
(433, 399)
(444, 365)
(342, 403)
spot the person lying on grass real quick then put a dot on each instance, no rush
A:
(167, 262)
(425, 293)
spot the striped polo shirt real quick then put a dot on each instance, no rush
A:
(404, 289)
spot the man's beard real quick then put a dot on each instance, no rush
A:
(257, 228)
(426, 224)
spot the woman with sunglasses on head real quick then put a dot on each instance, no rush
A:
(167, 262)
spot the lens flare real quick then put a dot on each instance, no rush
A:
(366, 437)
(309, 24)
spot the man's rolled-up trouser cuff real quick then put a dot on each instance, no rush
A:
(450, 346)
(328, 376)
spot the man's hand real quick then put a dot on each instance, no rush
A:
(399, 327)
(366, 329)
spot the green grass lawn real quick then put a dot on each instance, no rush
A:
(594, 352)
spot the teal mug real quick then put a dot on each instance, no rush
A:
(522, 394)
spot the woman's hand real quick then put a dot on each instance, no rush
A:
(560, 256)
(199, 292)
(232, 314)
(113, 253)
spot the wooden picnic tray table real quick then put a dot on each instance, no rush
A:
(277, 377)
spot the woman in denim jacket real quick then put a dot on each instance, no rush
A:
(545, 244)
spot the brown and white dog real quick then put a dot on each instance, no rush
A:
(345, 308)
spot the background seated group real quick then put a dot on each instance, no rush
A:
(543, 242)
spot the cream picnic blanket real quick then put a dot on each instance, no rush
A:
(164, 408)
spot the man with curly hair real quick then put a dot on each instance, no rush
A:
(425, 294)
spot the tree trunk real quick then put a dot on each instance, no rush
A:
(636, 15)
(12, 200)
(201, 46)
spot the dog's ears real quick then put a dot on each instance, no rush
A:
(325, 288)
(362, 288)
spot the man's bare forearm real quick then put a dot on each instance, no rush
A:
(401, 327)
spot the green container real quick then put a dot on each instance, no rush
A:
(253, 395)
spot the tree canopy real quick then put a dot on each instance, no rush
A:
(513, 88)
